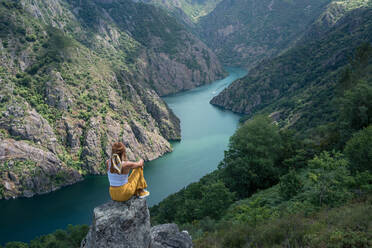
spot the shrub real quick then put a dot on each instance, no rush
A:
(363, 182)
(330, 179)
(31, 38)
(33, 69)
(26, 81)
(71, 237)
(347, 226)
(359, 150)
(356, 109)
(287, 231)
(290, 185)
(5, 43)
(16, 245)
(236, 238)
(250, 213)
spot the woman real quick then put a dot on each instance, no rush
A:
(122, 187)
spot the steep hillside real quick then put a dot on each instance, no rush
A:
(276, 189)
(171, 58)
(243, 32)
(329, 17)
(297, 87)
(79, 75)
(194, 9)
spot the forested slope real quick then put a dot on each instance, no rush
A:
(298, 170)
(296, 87)
(244, 32)
(275, 188)
(170, 58)
(193, 9)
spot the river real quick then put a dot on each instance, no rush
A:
(205, 135)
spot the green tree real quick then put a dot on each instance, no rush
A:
(215, 200)
(358, 67)
(70, 238)
(189, 210)
(359, 150)
(250, 213)
(356, 109)
(250, 162)
(168, 210)
(77, 233)
(330, 179)
(189, 203)
(16, 245)
(355, 90)
(290, 185)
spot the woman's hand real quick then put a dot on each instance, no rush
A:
(140, 163)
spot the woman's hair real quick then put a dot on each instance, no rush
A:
(118, 154)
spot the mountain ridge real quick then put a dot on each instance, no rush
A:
(244, 32)
(192, 9)
(304, 75)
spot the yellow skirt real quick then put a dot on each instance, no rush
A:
(136, 181)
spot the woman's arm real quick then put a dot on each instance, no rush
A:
(132, 165)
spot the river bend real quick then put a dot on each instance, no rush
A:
(205, 131)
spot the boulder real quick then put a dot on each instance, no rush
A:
(127, 225)
(120, 224)
(169, 236)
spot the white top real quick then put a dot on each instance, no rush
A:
(116, 179)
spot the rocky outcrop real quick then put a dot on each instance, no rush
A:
(26, 170)
(169, 236)
(169, 124)
(23, 122)
(127, 225)
(71, 131)
(57, 94)
(198, 66)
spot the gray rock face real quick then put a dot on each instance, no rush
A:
(56, 93)
(92, 147)
(27, 170)
(73, 132)
(127, 225)
(120, 224)
(199, 66)
(23, 122)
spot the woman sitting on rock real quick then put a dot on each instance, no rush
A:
(122, 187)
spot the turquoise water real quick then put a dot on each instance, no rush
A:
(205, 135)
